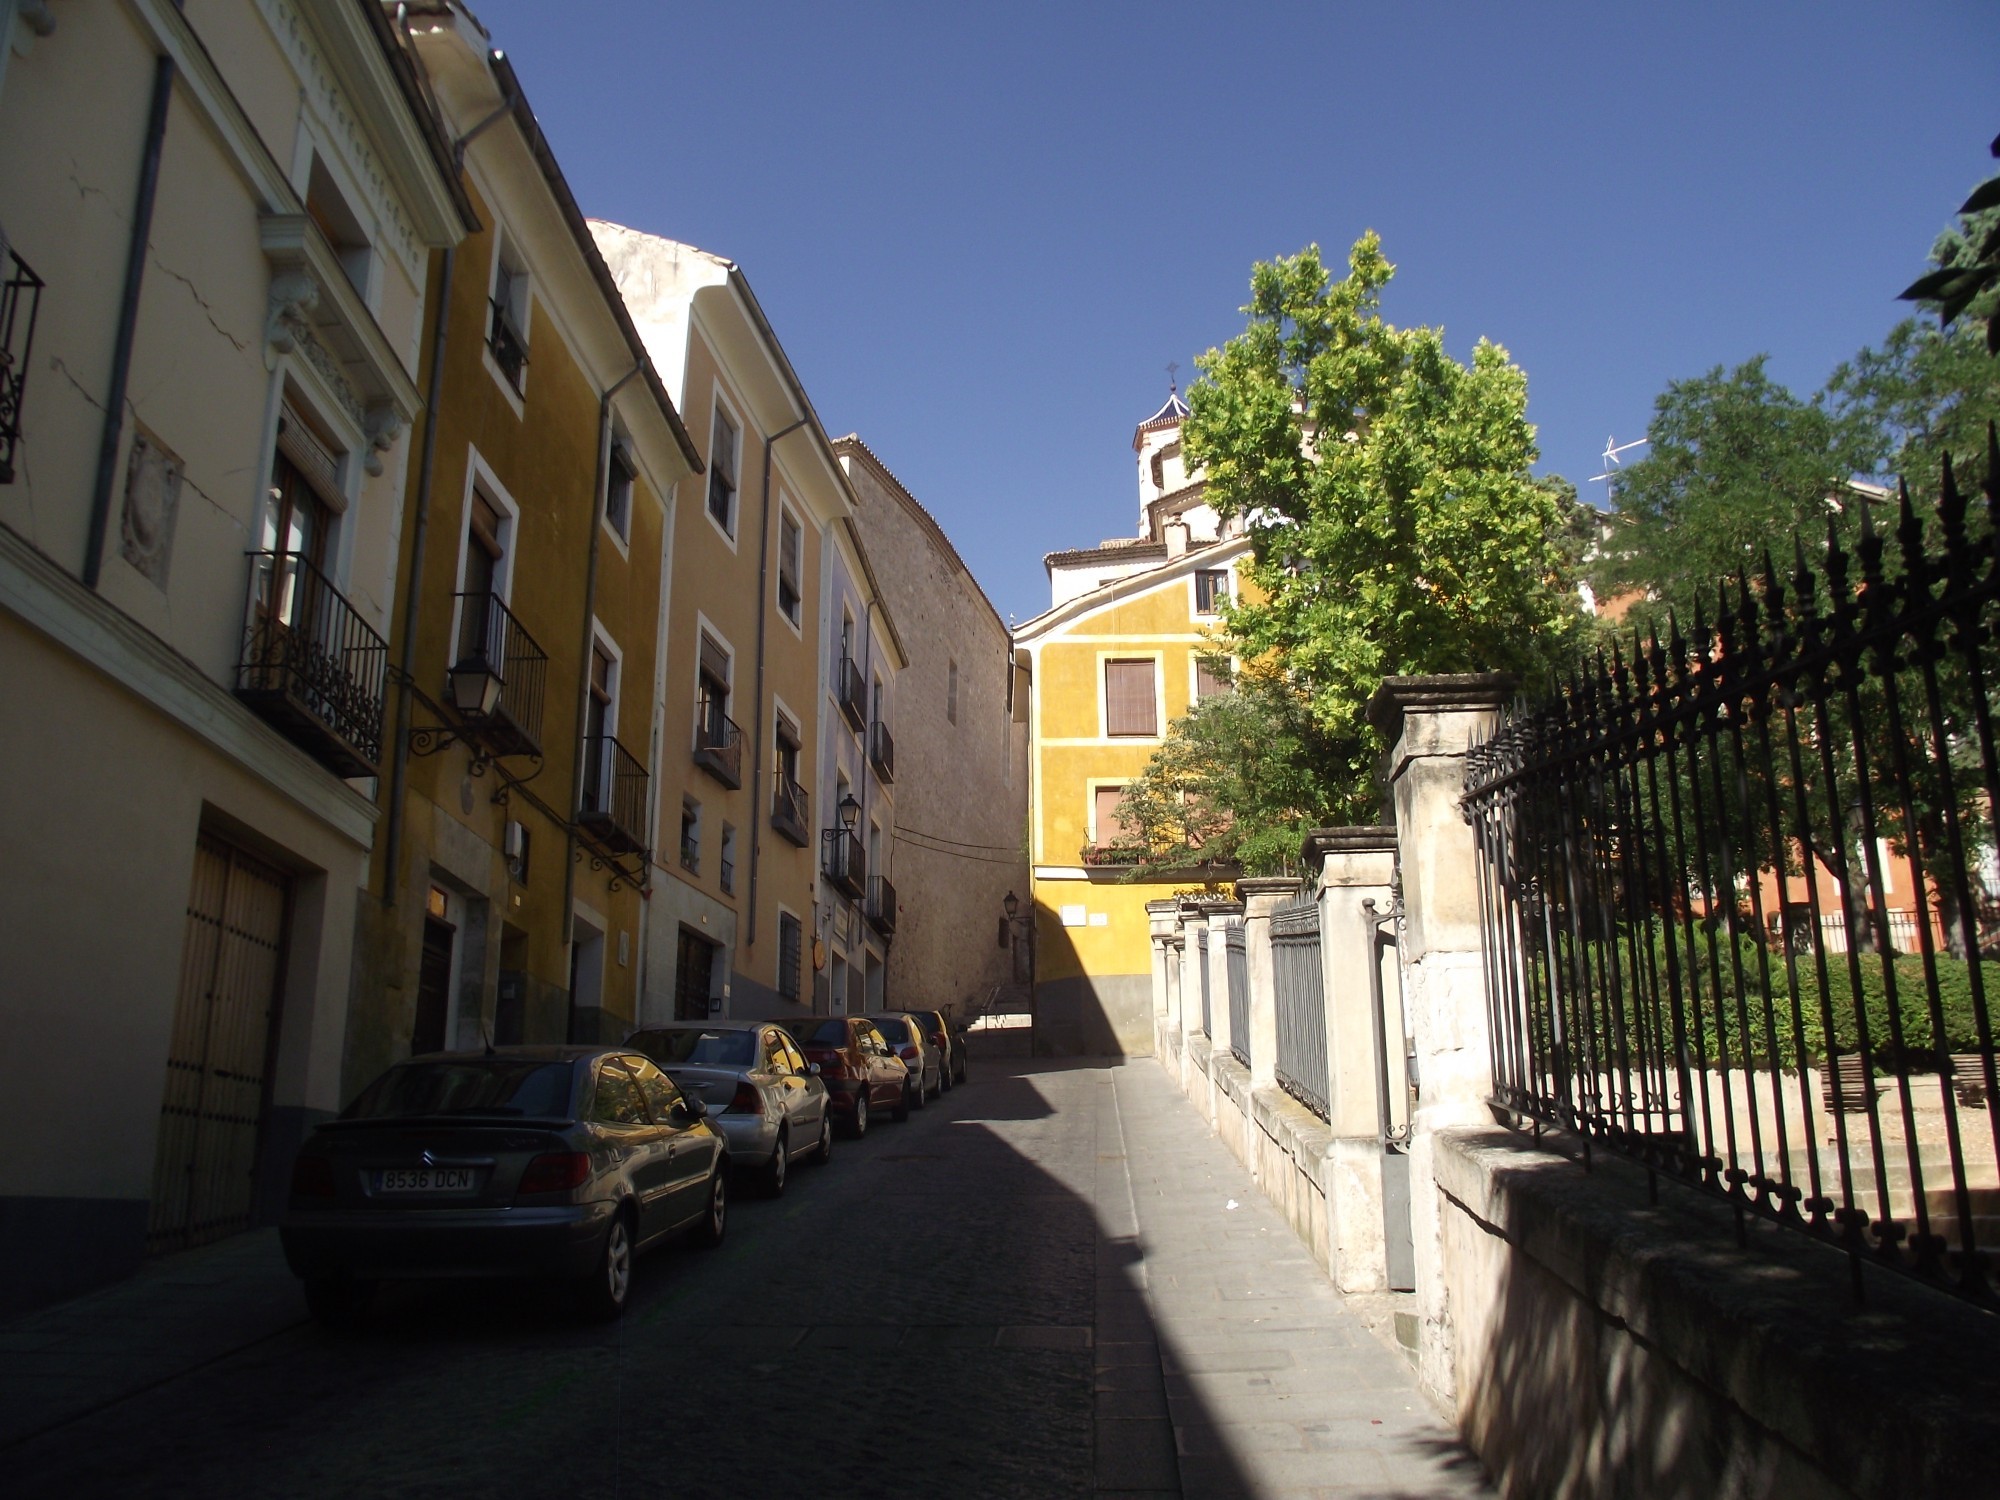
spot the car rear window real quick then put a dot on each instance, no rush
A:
(698, 1047)
(825, 1034)
(895, 1032)
(471, 1086)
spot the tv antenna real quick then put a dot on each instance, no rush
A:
(1611, 461)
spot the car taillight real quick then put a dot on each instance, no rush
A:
(937, 1038)
(747, 1101)
(831, 1064)
(907, 1053)
(312, 1177)
(555, 1172)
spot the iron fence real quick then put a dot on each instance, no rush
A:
(1663, 843)
(312, 665)
(1201, 975)
(1300, 1000)
(1236, 964)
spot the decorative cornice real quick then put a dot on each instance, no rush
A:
(1372, 838)
(1453, 692)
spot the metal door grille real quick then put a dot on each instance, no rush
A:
(213, 1110)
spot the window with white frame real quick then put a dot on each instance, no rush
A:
(619, 478)
(507, 324)
(690, 835)
(331, 213)
(1211, 590)
(1131, 702)
(723, 446)
(791, 951)
(791, 551)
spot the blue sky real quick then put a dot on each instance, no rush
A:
(982, 232)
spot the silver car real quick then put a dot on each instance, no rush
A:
(762, 1094)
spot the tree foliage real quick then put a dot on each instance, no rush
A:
(1394, 527)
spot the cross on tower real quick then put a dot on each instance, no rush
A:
(1173, 376)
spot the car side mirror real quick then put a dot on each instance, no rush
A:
(694, 1106)
(812, 1070)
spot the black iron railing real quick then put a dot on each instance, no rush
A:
(1110, 854)
(844, 862)
(613, 812)
(490, 637)
(882, 751)
(510, 350)
(791, 810)
(20, 303)
(1201, 979)
(882, 904)
(312, 666)
(1299, 998)
(718, 744)
(1236, 966)
(1665, 842)
(849, 690)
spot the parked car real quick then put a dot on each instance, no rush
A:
(762, 1093)
(558, 1162)
(909, 1037)
(861, 1074)
(948, 1035)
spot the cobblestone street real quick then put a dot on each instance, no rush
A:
(1051, 1282)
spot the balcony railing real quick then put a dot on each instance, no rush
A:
(490, 636)
(882, 904)
(510, 350)
(851, 692)
(790, 811)
(718, 744)
(312, 666)
(882, 750)
(614, 797)
(20, 301)
(1111, 854)
(844, 862)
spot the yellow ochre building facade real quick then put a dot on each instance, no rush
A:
(1107, 667)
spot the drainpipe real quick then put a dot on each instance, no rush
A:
(128, 319)
(392, 835)
(757, 760)
(583, 679)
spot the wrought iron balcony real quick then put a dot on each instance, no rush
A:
(613, 815)
(851, 692)
(844, 862)
(510, 350)
(490, 638)
(790, 811)
(718, 744)
(882, 904)
(1111, 854)
(20, 301)
(882, 750)
(312, 666)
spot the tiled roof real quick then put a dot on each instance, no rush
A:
(1167, 416)
(1116, 551)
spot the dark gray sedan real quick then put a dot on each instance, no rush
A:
(762, 1094)
(559, 1162)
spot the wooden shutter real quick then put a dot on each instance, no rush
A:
(714, 661)
(1110, 818)
(788, 553)
(1207, 683)
(1129, 705)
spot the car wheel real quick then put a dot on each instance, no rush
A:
(824, 1153)
(861, 1114)
(944, 1082)
(777, 1167)
(338, 1302)
(715, 1221)
(604, 1291)
(903, 1105)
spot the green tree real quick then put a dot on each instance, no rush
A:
(1394, 524)
(1965, 277)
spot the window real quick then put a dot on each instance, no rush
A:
(786, 734)
(722, 472)
(1208, 681)
(690, 834)
(726, 870)
(1211, 590)
(712, 707)
(618, 490)
(599, 721)
(617, 1100)
(662, 1094)
(951, 693)
(1108, 816)
(507, 331)
(791, 946)
(328, 208)
(790, 547)
(846, 639)
(1130, 704)
(484, 550)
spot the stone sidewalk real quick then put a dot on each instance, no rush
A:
(1269, 1382)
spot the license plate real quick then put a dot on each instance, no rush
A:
(424, 1180)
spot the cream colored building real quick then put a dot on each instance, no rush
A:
(229, 208)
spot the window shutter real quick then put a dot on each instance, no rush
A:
(1207, 683)
(1110, 819)
(1129, 707)
(714, 660)
(788, 554)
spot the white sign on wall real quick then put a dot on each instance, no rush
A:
(1100, 919)
(1074, 916)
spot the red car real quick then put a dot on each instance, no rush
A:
(861, 1074)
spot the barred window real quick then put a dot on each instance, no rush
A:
(791, 943)
(1211, 590)
(1130, 705)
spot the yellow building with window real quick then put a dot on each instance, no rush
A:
(1109, 665)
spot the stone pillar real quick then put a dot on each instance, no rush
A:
(1160, 931)
(1356, 865)
(1263, 895)
(1430, 724)
(1222, 916)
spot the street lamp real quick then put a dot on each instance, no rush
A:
(475, 686)
(849, 811)
(1010, 903)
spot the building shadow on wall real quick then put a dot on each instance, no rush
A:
(1078, 1014)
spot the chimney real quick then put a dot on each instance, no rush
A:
(1176, 533)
